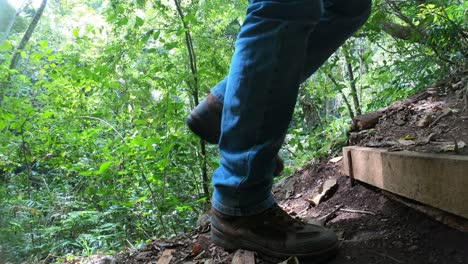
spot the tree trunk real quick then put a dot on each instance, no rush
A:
(4, 85)
(194, 85)
(27, 35)
(400, 32)
(12, 22)
(345, 99)
(352, 83)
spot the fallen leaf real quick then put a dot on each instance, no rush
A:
(334, 160)
(405, 142)
(446, 111)
(425, 121)
(429, 138)
(324, 189)
(450, 146)
(382, 144)
(196, 249)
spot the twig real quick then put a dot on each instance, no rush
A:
(383, 255)
(324, 219)
(105, 122)
(456, 150)
(349, 210)
(429, 138)
(439, 118)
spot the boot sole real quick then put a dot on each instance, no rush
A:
(219, 239)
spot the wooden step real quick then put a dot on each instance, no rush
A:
(437, 180)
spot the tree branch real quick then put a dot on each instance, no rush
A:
(345, 99)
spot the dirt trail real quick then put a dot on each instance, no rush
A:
(373, 228)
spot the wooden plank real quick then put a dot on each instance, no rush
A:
(437, 180)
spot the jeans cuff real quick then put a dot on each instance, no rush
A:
(242, 211)
(218, 90)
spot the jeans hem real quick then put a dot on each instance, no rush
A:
(244, 211)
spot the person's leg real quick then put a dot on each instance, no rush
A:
(261, 91)
(260, 95)
(339, 20)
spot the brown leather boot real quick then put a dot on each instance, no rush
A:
(273, 233)
(205, 119)
(205, 122)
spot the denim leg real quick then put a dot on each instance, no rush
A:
(219, 89)
(280, 44)
(338, 21)
(261, 92)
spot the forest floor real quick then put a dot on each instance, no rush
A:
(385, 232)
(373, 226)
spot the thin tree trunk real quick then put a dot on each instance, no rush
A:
(4, 85)
(195, 92)
(352, 83)
(345, 99)
(27, 35)
(12, 22)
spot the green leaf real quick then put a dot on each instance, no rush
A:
(43, 44)
(5, 45)
(139, 22)
(8, 116)
(146, 36)
(23, 54)
(75, 33)
(120, 9)
(141, 199)
(171, 45)
(123, 21)
(104, 167)
(156, 35)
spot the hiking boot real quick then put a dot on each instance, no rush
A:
(205, 119)
(205, 122)
(273, 233)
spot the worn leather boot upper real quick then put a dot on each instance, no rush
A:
(205, 122)
(273, 233)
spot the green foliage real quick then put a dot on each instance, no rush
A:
(94, 153)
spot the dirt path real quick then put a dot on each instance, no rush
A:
(385, 232)
(388, 232)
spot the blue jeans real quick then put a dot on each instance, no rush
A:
(281, 43)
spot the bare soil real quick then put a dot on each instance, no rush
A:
(436, 124)
(385, 232)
